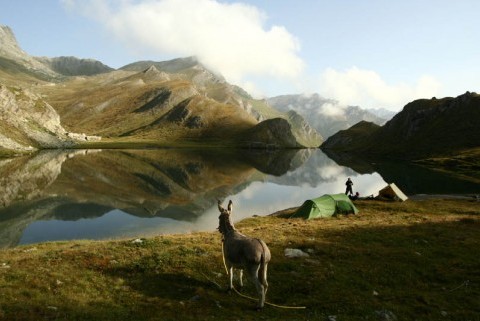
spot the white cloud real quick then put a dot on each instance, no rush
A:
(230, 38)
(332, 110)
(367, 89)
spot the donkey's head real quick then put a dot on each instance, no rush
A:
(225, 225)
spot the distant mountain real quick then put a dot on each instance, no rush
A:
(382, 113)
(15, 61)
(324, 115)
(424, 128)
(72, 66)
(171, 66)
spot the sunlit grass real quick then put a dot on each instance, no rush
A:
(417, 259)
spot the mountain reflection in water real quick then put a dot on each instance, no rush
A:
(60, 195)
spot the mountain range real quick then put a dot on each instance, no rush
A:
(69, 102)
(327, 116)
(176, 102)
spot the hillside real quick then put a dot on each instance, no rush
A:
(28, 122)
(146, 105)
(424, 128)
(177, 100)
(358, 136)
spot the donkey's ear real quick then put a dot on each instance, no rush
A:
(220, 208)
(230, 206)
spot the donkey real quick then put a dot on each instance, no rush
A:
(244, 253)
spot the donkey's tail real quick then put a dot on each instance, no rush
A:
(262, 272)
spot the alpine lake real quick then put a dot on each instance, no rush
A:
(57, 195)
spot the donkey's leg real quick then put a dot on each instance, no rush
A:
(262, 275)
(253, 274)
(240, 277)
(230, 278)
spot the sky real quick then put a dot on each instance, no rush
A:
(370, 53)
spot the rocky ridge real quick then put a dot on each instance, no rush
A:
(73, 66)
(424, 128)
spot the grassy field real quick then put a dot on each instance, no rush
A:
(417, 260)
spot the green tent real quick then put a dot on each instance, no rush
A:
(326, 206)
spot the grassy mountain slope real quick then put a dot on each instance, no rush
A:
(14, 73)
(181, 101)
(145, 105)
(356, 137)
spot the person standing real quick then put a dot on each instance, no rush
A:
(349, 190)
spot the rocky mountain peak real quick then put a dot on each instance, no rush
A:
(10, 49)
(151, 69)
(8, 44)
(152, 73)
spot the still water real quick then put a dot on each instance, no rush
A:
(95, 194)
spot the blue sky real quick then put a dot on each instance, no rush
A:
(367, 53)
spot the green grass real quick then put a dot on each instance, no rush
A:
(417, 259)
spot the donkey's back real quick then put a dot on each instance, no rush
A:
(242, 251)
